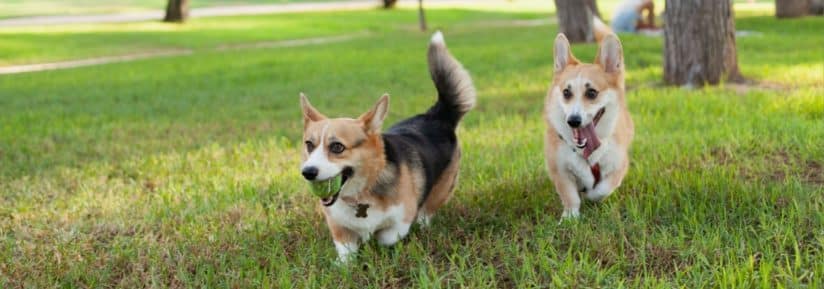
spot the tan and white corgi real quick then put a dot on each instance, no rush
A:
(589, 127)
(393, 178)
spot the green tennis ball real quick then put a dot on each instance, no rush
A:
(327, 188)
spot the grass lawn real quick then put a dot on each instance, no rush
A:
(23, 45)
(183, 171)
(34, 44)
(19, 8)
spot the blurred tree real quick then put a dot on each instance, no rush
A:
(817, 7)
(792, 8)
(177, 11)
(575, 19)
(421, 16)
(593, 7)
(389, 4)
(699, 42)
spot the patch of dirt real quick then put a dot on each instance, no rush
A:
(150, 186)
(813, 173)
(781, 202)
(721, 155)
(777, 166)
(809, 171)
(750, 85)
(92, 61)
(656, 260)
(105, 232)
(775, 173)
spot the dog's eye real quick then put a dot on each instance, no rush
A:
(591, 93)
(567, 93)
(310, 146)
(336, 147)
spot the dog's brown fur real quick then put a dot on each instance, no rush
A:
(390, 178)
(569, 170)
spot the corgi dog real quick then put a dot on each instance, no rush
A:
(393, 178)
(589, 129)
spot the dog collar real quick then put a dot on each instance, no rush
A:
(596, 173)
(596, 168)
(598, 115)
(360, 208)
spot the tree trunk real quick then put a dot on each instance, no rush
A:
(817, 7)
(699, 42)
(593, 7)
(177, 11)
(421, 16)
(389, 4)
(791, 8)
(575, 20)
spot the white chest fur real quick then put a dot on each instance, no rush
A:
(346, 215)
(607, 157)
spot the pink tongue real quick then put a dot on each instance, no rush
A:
(588, 133)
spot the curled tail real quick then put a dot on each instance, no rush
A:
(456, 94)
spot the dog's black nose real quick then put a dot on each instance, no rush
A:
(310, 173)
(574, 120)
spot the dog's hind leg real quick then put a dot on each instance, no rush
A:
(441, 191)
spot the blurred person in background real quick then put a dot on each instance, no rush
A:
(629, 17)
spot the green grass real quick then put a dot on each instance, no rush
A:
(183, 171)
(21, 8)
(34, 44)
(26, 45)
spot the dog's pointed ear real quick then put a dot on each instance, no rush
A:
(563, 54)
(611, 54)
(310, 114)
(373, 119)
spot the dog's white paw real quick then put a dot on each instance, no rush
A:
(423, 219)
(346, 252)
(391, 235)
(388, 238)
(598, 193)
(569, 215)
(342, 261)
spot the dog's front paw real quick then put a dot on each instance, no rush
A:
(392, 235)
(599, 193)
(423, 219)
(343, 261)
(569, 214)
(594, 195)
(346, 252)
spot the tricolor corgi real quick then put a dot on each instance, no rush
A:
(589, 129)
(385, 181)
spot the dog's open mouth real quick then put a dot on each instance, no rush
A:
(585, 137)
(345, 175)
(582, 137)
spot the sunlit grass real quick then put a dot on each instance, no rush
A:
(34, 44)
(23, 45)
(182, 172)
(23, 8)
(808, 74)
(804, 102)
